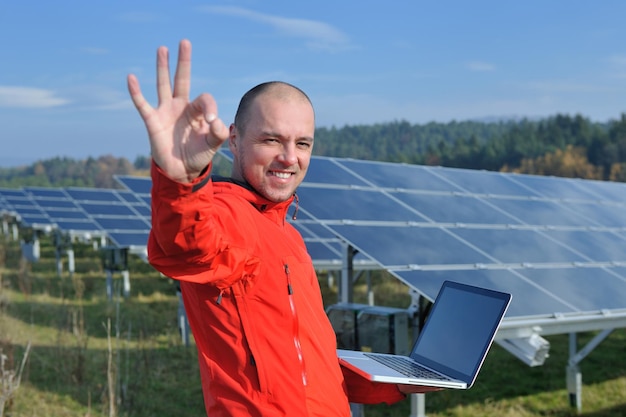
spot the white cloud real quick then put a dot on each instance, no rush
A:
(98, 97)
(319, 35)
(28, 97)
(480, 66)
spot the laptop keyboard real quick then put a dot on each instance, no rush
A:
(406, 367)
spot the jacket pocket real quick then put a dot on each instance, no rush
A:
(249, 324)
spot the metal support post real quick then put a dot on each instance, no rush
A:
(71, 267)
(59, 260)
(183, 323)
(347, 274)
(574, 380)
(574, 377)
(370, 290)
(109, 284)
(126, 280)
(346, 296)
(356, 410)
(418, 405)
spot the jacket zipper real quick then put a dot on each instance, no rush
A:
(296, 337)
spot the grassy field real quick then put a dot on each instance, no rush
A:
(94, 357)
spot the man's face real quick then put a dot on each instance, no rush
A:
(274, 151)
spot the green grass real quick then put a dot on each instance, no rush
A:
(66, 319)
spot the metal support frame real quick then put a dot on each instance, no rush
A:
(116, 260)
(418, 405)
(346, 294)
(63, 246)
(418, 310)
(71, 265)
(573, 375)
(183, 322)
(15, 231)
(5, 228)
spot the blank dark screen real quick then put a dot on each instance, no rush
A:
(459, 329)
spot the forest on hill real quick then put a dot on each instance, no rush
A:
(562, 145)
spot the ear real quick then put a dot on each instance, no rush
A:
(232, 139)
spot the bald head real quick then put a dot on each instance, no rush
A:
(272, 89)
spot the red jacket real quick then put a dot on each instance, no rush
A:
(265, 345)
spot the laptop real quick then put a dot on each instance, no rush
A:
(451, 347)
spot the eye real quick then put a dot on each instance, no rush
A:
(304, 144)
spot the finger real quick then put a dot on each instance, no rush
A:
(218, 133)
(205, 107)
(182, 79)
(142, 106)
(164, 89)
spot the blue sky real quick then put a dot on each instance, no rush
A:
(63, 64)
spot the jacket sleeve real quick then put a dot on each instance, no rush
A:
(362, 391)
(193, 240)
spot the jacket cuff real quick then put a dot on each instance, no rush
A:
(161, 183)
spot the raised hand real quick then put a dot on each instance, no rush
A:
(184, 136)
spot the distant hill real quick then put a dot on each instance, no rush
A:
(68, 172)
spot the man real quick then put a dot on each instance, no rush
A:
(265, 345)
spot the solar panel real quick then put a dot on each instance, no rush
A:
(21, 205)
(553, 187)
(129, 239)
(120, 214)
(63, 212)
(139, 188)
(138, 185)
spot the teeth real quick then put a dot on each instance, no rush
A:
(283, 175)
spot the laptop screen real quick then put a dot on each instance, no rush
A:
(460, 329)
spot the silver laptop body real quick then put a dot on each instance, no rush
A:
(452, 345)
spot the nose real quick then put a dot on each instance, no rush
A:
(288, 155)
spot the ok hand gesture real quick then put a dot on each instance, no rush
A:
(184, 136)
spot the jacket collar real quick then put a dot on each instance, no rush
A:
(245, 191)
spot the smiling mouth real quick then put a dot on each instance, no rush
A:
(281, 175)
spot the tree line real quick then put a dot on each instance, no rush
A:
(562, 145)
(68, 172)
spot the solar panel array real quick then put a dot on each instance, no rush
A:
(558, 245)
(88, 212)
